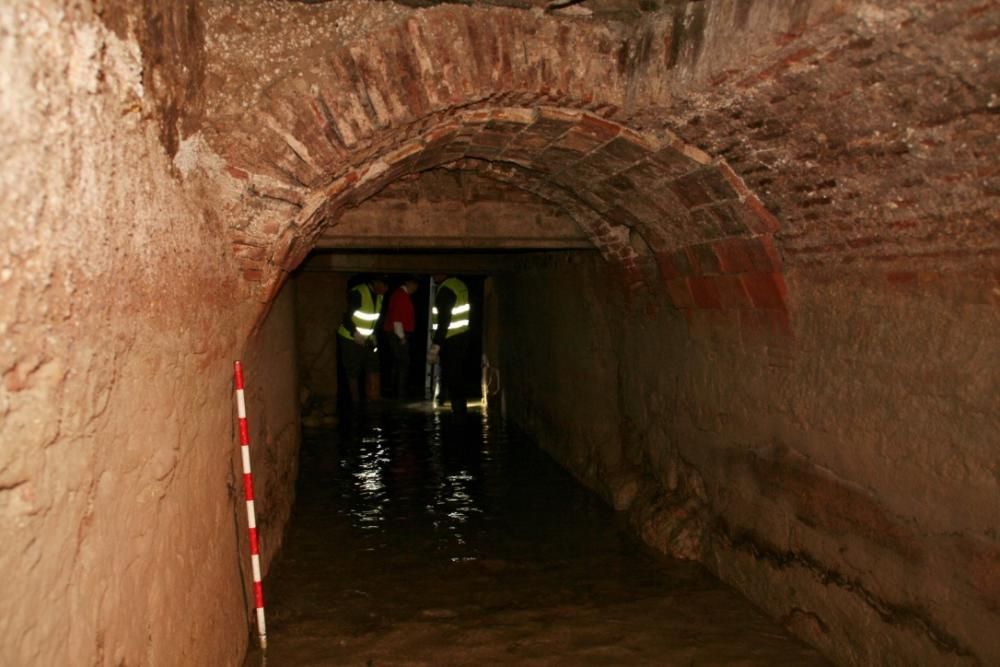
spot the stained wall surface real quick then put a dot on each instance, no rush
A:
(449, 208)
(121, 313)
(321, 298)
(793, 333)
(272, 392)
(841, 473)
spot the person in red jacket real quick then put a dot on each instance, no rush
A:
(398, 326)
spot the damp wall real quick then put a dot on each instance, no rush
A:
(272, 394)
(320, 300)
(121, 314)
(839, 470)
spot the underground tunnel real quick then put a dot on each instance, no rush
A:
(733, 265)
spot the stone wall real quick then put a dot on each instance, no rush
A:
(840, 471)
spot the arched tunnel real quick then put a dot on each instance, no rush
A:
(733, 267)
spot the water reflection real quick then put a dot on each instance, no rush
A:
(421, 541)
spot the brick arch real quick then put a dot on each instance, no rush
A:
(448, 87)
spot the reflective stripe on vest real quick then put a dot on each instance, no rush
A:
(364, 318)
(459, 312)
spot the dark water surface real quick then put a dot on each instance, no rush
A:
(417, 542)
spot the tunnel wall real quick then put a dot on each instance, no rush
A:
(120, 315)
(475, 224)
(445, 208)
(320, 300)
(842, 474)
(272, 394)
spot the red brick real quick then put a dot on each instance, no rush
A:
(597, 128)
(705, 186)
(682, 262)
(236, 172)
(507, 45)
(510, 119)
(680, 293)
(487, 145)
(765, 222)
(734, 180)
(691, 152)
(621, 153)
(645, 174)
(691, 191)
(403, 152)
(765, 255)
(716, 183)
(352, 111)
(732, 293)
(590, 169)
(541, 133)
(376, 70)
(622, 217)
(481, 48)
(766, 290)
(250, 252)
(726, 219)
(667, 269)
(705, 292)
(703, 259)
(555, 159)
(672, 162)
(647, 143)
(475, 116)
(734, 255)
(295, 256)
(442, 133)
(747, 255)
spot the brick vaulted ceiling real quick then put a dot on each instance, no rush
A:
(716, 142)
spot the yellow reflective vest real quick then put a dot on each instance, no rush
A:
(364, 318)
(459, 312)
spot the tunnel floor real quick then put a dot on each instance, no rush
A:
(417, 542)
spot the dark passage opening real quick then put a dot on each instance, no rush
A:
(422, 538)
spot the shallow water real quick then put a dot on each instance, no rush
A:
(418, 542)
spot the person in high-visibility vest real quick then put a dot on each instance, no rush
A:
(356, 338)
(450, 343)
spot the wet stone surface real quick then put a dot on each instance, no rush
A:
(417, 542)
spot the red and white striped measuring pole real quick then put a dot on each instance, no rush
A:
(258, 591)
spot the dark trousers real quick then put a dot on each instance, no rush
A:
(356, 363)
(453, 363)
(400, 363)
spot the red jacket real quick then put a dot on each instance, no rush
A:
(400, 310)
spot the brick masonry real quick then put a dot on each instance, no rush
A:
(683, 130)
(540, 120)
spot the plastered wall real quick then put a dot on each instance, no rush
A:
(120, 317)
